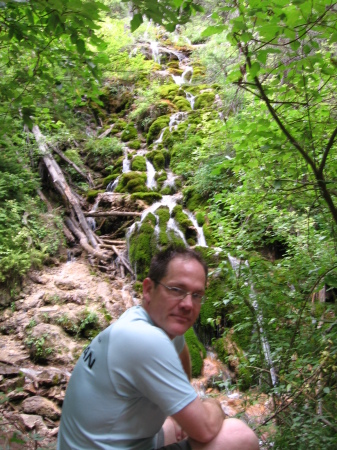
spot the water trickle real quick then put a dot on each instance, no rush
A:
(185, 77)
(151, 172)
(112, 185)
(176, 119)
(155, 52)
(200, 231)
(191, 99)
(126, 162)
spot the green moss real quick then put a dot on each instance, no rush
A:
(197, 352)
(119, 125)
(156, 128)
(185, 224)
(143, 246)
(92, 194)
(148, 197)
(139, 164)
(135, 145)
(132, 182)
(204, 100)
(169, 91)
(129, 133)
(182, 103)
(73, 155)
(157, 158)
(200, 218)
(108, 179)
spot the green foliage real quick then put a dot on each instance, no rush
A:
(197, 352)
(39, 349)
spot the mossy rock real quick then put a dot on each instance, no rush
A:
(135, 145)
(193, 200)
(119, 125)
(182, 103)
(163, 214)
(132, 182)
(168, 91)
(204, 100)
(109, 178)
(197, 352)
(181, 218)
(157, 158)
(138, 164)
(143, 246)
(129, 133)
(148, 197)
(156, 127)
(200, 218)
(173, 64)
(92, 194)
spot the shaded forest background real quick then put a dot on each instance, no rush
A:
(261, 176)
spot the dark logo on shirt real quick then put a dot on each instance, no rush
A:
(88, 357)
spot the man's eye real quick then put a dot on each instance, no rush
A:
(197, 296)
(176, 290)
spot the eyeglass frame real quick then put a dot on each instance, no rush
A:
(184, 293)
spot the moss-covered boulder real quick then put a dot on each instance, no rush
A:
(156, 128)
(169, 91)
(143, 245)
(138, 164)
(185, 224)
(157, 158)
(92, 194)
(204, 100)
(147, 197)
(109, 178)
(134, 145)
(132, 182)
(182, 103)
(129, 133)
(197, 352)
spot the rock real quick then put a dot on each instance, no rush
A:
(41, 406)
(66, 284)
(31, 421)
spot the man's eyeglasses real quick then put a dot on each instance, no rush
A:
(180, 294)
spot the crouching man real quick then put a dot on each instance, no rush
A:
(130, 389)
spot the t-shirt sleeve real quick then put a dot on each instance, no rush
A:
(150, 367)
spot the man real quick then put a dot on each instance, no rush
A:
(130, 390)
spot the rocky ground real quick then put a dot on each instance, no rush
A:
(43, 333)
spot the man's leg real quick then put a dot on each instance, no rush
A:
(234, 435)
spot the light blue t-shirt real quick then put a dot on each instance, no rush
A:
(125, 384)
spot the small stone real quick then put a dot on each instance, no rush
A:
(41, 406)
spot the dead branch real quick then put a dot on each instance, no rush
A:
(122, 260)
(73, 165)
(106, 132)
(84, 242)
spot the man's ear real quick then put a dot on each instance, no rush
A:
(148, 287)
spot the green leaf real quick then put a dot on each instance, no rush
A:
(136, 21)
(210, 31)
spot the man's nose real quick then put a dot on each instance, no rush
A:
(187, 301)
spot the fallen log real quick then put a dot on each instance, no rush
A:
(123, 261)
(112, 213)
(73, 165)
(63, 188)
(84, 242)
(106, 132)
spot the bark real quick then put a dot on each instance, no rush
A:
(112, 213)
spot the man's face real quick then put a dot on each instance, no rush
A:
(174, 316)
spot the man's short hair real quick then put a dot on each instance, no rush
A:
(160, 262)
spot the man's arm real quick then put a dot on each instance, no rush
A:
(201, 419)
(186, 361)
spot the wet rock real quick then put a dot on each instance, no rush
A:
(41, 406)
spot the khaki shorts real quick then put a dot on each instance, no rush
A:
(159, 443)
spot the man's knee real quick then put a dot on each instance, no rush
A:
(240, 434)
(233, 435)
